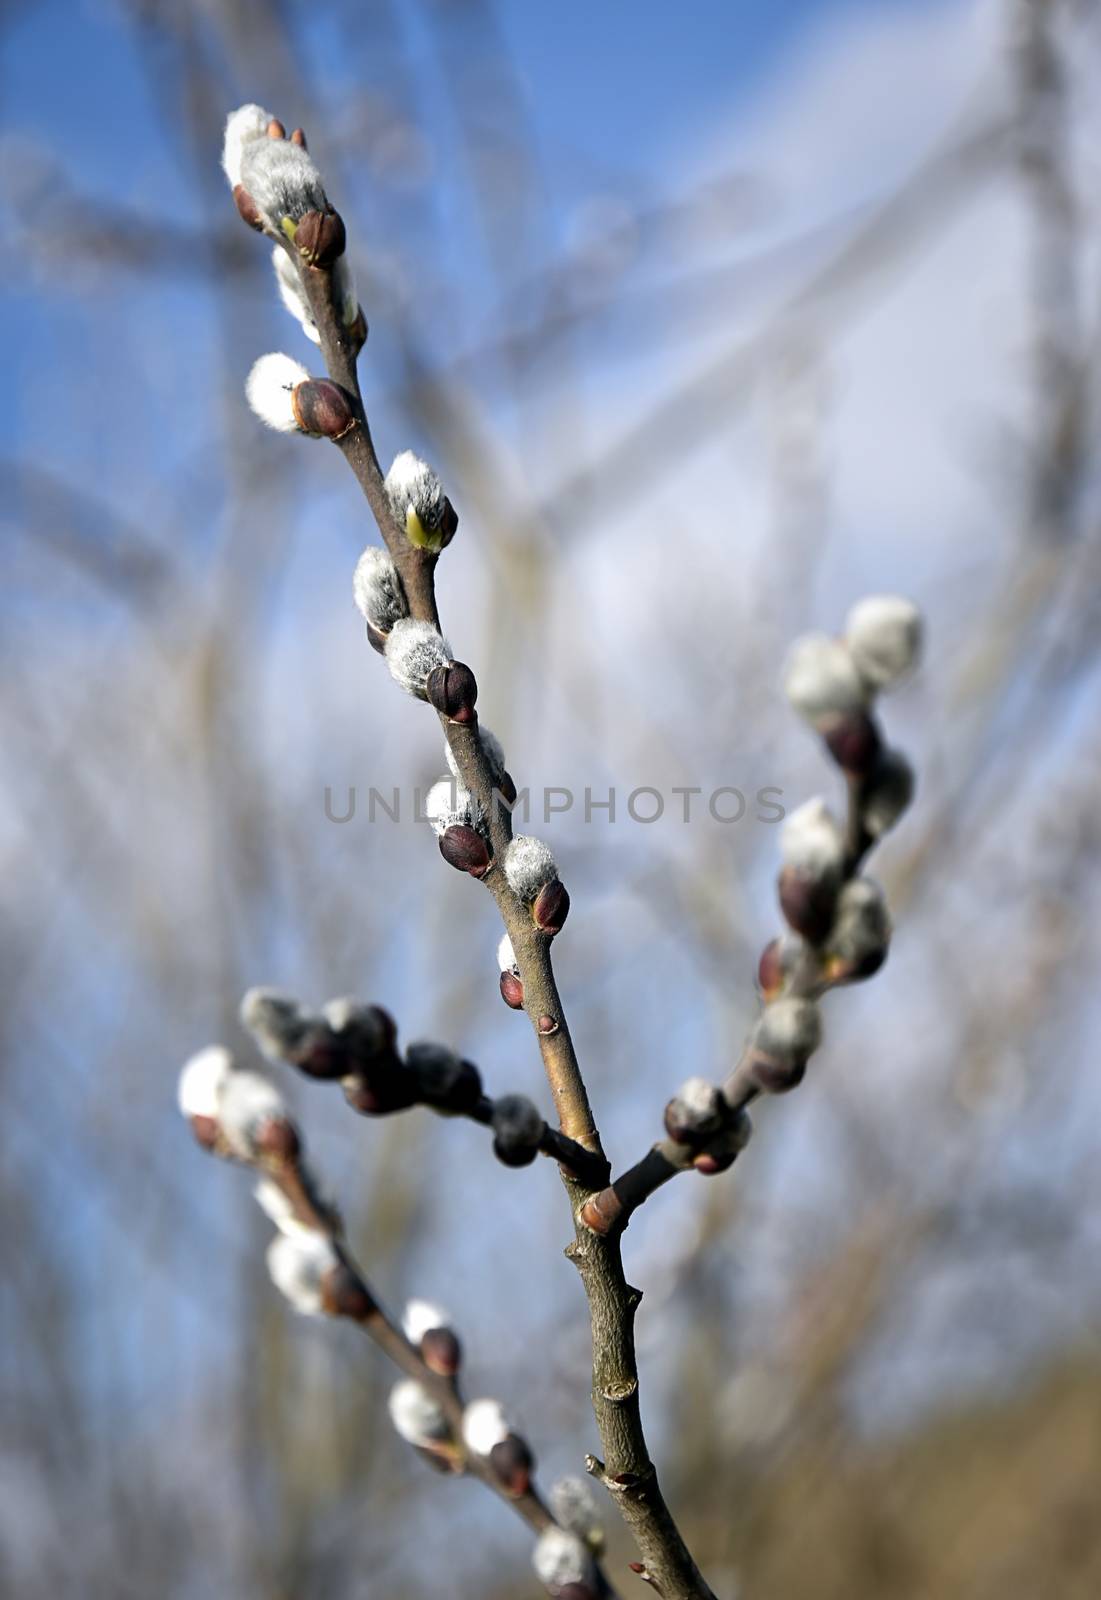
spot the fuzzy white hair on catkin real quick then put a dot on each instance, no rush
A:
(412, 482)
(448, 805)
(247, 1099)
(560, 1558)
(282, 179)
(413, 650)
(242, 127)
(529, 864)
(297, 1263)
(811, 840)
(697, 1096)
(294, 300)
(821, 680)
(201, 1080)
(484, 1426)
(506, 955)
(277, 1208)
(378, 590)
(421, 1317)
(884, 636)
(416, 1416)
(269, 388)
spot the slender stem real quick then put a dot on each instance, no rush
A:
(627, 1471)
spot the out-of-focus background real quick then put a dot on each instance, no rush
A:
(713, 319)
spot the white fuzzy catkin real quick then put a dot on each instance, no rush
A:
(506, 955)
(281, 178)
(484, 1426)
(789, 1030)
(269, 387)
(294, 300)
(378, 590)
(821, 680)
(561, 1558)
(298, 1263)
(883, 633)
(413, 650)
(448, 805)
(421, 1317)
(248, 1100)
(278, 1209)
(494, 751)
(862, 923)
(529, 865)
(411, 484)
(887, 793)
(417, 1417)
(575, 1509)
(812, 842)
(243, 126)
(199, 1090)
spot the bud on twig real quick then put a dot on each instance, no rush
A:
(694, 1113)
(412, 651)
(429, 1331)
(487, 1434)
(852, 740)
(813, 852)
(861, 933)
(323, 409)
(379, 595)
(422, 1422)
(319, 237)
(533, 877)
(443, 1079)
(299, 1264)
(886, 793)
(512, 988)
(821, 680)
(517, 1130)
(564, 1565)
(884, 636)
(574, 1507)
(453, 813)
(453, 691)
(419, 504)
(720, 1152)
(787, 1033)
(778, 959)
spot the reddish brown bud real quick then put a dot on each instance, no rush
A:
(551, 907)
(601, 1213)
(770, 972)
(448, 522)
(463, 848)
(442, 1351)
(709, 1163)
(299, 138)
(453, 690)
(378, 1092)
(322, 408)
(357, 331)
(278, 1137)
(343, 1294)
(512, 991)
(375, 639)
(512, 1465)
(775, 1077)
(249, 210)
(808, 903)
(276, 129)
(320, 238)
(205, 1130)
(547, 1026)
(853, 741)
